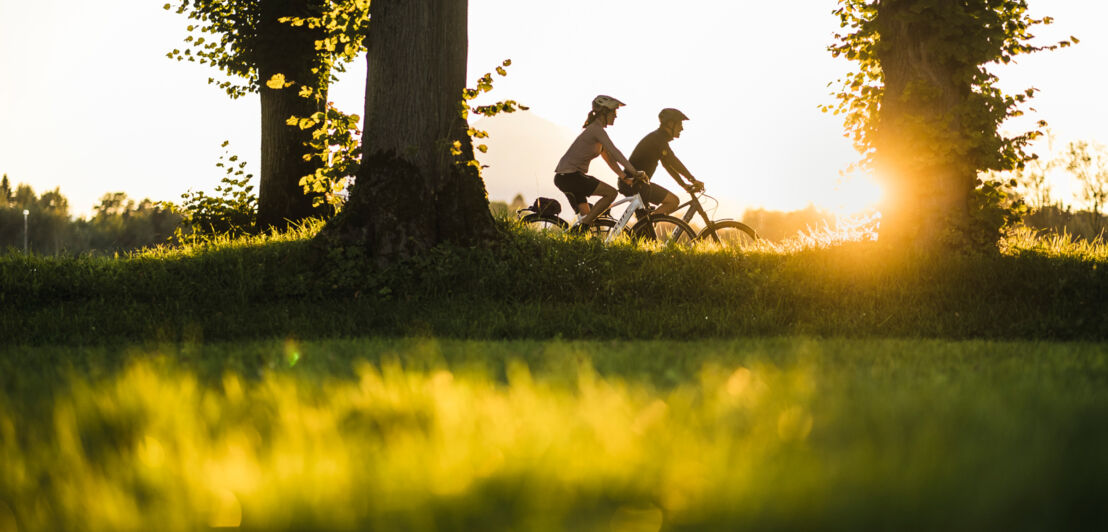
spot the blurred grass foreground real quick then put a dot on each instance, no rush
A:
(552, 435)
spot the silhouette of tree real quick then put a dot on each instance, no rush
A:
(924, 110)
(6, 194)
(289, 64)
(1088, 162)
(418, 185)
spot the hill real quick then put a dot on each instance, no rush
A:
(523, 150)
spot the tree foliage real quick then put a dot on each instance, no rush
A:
(966, 37)
(226, 35)
(223, 34)
(483, 85)
(231, 211)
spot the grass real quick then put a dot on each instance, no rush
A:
(535, 286)
(419, 434)
(552, 383)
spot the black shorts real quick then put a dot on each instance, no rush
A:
(651, 193)
(577, 187)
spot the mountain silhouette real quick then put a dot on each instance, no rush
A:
(524, 148)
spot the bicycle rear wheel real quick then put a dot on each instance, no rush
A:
(664, 228)
(545, 224)
(728, 233)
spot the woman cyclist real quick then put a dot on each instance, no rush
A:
(570, 175)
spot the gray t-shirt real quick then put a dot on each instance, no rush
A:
(588, 145)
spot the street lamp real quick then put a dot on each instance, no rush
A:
(25, 213)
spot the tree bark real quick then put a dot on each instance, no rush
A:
(287, 50)
(411, 192)
(920, 145)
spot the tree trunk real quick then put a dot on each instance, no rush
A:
(411, 192)
(920, 144)
(287, 50)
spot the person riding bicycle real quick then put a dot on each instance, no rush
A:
(570, 175)
(651, 150)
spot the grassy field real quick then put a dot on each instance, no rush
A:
(555, 384)
(785, 433)
(533, 286)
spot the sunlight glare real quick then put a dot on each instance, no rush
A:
(855, 193)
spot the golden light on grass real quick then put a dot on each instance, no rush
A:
(633, 519)
(7, 519)
(226, 510)
(156, 444)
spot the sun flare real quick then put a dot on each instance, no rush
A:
(854, 194)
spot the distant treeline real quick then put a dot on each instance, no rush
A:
(1087, 225)
(118, 224)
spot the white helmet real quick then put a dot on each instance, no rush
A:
(605, 103)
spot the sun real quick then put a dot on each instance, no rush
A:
(853, 194)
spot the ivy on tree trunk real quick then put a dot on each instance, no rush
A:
(289, 51)
(247, 41)
(924, 109)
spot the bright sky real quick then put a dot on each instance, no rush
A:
(91, 104)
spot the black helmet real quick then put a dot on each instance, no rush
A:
(670, 114)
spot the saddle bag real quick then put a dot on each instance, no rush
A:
(546, 207)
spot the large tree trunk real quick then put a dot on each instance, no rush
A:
(919, 138)
(287, 50)
(411, 192)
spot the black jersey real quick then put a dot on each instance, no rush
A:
(651, 149)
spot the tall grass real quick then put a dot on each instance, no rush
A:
(1025, 240)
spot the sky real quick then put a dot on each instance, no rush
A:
(91, 104)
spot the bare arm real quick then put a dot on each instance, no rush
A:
(674, 166)
(676, 169)
(611, 164)
(612, 154)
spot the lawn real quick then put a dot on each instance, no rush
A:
(554, 383)
(431, 434)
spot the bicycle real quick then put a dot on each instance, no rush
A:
(723, 231)
(543, 216)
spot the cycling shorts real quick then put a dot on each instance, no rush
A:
(651, 193)
(577, 187)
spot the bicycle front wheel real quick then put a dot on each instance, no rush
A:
(728, 233)
(665, 229)
(602, 226)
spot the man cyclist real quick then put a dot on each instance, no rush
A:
(653, 149)
(570, 175)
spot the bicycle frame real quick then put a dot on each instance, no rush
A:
(635, 203)
(696, 208)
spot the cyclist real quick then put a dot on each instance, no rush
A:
(651, 150)
(570, 175)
